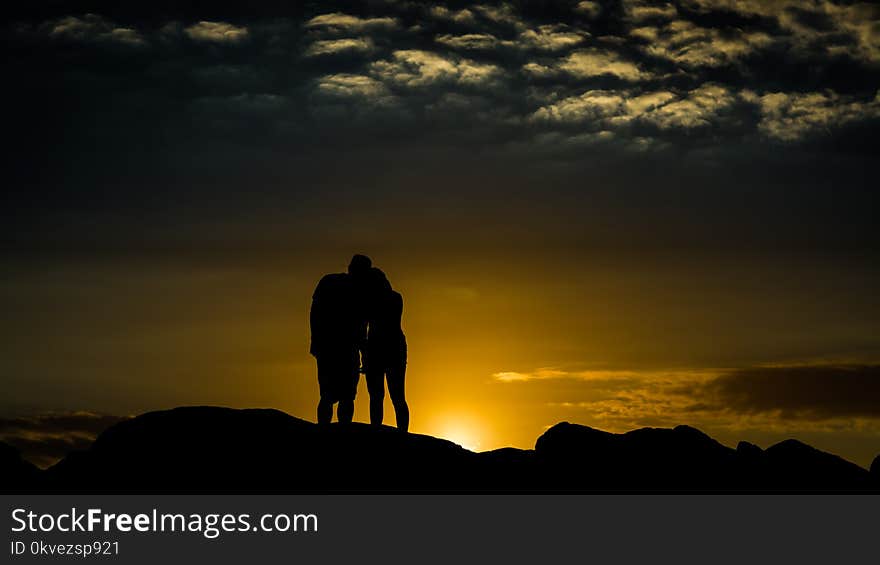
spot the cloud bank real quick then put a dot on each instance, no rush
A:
(43, 439)
(710, 68)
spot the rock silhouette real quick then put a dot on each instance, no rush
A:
(222, 450)
(684, 458)
(15, 472)
(648, 458)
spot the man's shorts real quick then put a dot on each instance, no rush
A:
(338, 375)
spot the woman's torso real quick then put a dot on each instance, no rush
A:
(385, 332)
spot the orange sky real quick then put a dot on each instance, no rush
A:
(499, 350)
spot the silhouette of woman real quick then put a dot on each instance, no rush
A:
(385, 351)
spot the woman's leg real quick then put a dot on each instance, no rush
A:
(397, 392)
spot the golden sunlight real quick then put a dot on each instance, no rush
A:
(463, 429)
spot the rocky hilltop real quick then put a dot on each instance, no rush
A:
(222, 450)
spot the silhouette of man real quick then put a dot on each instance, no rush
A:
(385, 351)
(338, 326)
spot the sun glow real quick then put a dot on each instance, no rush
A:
(463, 430)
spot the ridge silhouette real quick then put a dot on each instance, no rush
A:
(15, 471)
(207, 449)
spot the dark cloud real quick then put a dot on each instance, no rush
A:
(638, 48)
(797, 392)
(45, 438)
(145, 114)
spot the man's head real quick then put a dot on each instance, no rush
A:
(359, 265)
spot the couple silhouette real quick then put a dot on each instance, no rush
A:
(355, 324)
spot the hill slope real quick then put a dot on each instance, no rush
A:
(221, 450)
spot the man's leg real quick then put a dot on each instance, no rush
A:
(325, 404)
(325, 411)
(397, 392)
(348, 376)
(345, 411)
(376, 388)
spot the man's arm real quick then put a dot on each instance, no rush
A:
(317, 319)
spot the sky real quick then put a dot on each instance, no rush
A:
(620, 214)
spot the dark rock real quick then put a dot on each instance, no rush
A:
(507, 469)
(649, 458)
(207, 449)
(875, 469)
(797, 466)
(16, 474)
(746, 449)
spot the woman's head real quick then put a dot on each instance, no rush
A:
(377, 280)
